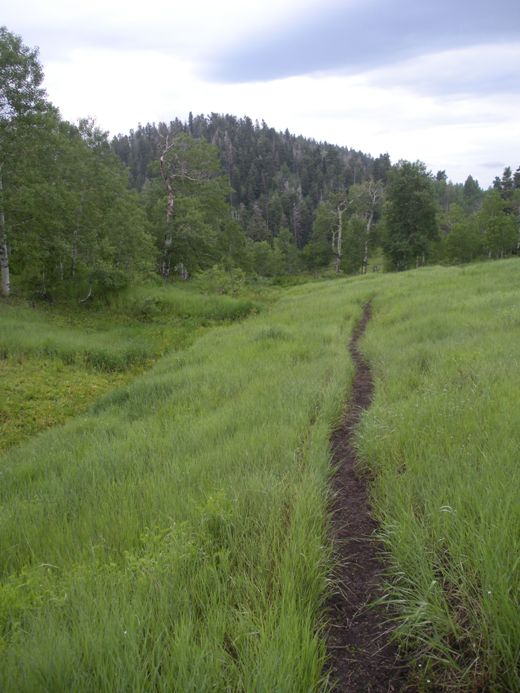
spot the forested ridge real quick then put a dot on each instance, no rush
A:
(82, 216)
(277, 179)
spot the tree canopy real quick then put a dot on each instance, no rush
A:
(81, 216)
(410, 215)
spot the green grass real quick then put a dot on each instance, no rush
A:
(186, 302)
(141, 325)
(174, 537)
(56, 360)
(442, 439)
(38, 393)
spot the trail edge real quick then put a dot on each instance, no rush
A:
(361, 655)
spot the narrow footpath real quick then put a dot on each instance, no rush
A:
(361, 657)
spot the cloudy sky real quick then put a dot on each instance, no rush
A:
(436, 81)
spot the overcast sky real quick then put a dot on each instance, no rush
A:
(432, 80)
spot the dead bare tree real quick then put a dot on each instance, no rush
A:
(337, 233)
(367, 198)
(4, 252)
(175, 167)
(375, 194)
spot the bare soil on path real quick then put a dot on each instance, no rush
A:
(362, 657)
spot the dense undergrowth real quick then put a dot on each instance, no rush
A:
(173, 538)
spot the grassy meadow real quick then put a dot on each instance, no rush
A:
(443, 443)
(56, 360)
(173, 537)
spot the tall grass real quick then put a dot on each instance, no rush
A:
(443, 441)
(55, 360)
(173, 539)
(167, 301)
(141, 324)
(28, 333)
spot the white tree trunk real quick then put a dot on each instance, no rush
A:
(4, 253)
(367, 239)
(170, 208)
(340, 209)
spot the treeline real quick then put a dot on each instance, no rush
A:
(429, 219)
(69, 223)
(82, 216)
(276, 179)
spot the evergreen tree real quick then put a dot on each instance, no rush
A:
(472, 195)
(277, 176)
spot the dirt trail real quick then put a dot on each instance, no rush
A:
(361, 657)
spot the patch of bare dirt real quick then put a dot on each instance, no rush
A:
(362, 657)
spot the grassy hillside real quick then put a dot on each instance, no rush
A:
(443, 441)
(173, 537)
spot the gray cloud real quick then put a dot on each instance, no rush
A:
(498, 165)
(491, 69)
(368, 35)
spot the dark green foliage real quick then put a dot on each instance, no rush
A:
(463, 241)
(69, 224)
(499, 226)
(354, 245)
(472, 195)
(186, 199)
(81, 219)
(75, 227)
(410, 215)
(21, 76)
(22, 102)
(319, 253)
(277, 179)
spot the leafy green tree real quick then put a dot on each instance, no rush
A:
(232, 247)
(410, 215)
(515, 210)
(499, 226)
(319, 251)
(69, 224)
(80, 231)
(287, 252)
(354, 252)
(463, 241)
(22, 101)
(192, 194)
(266, 260)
